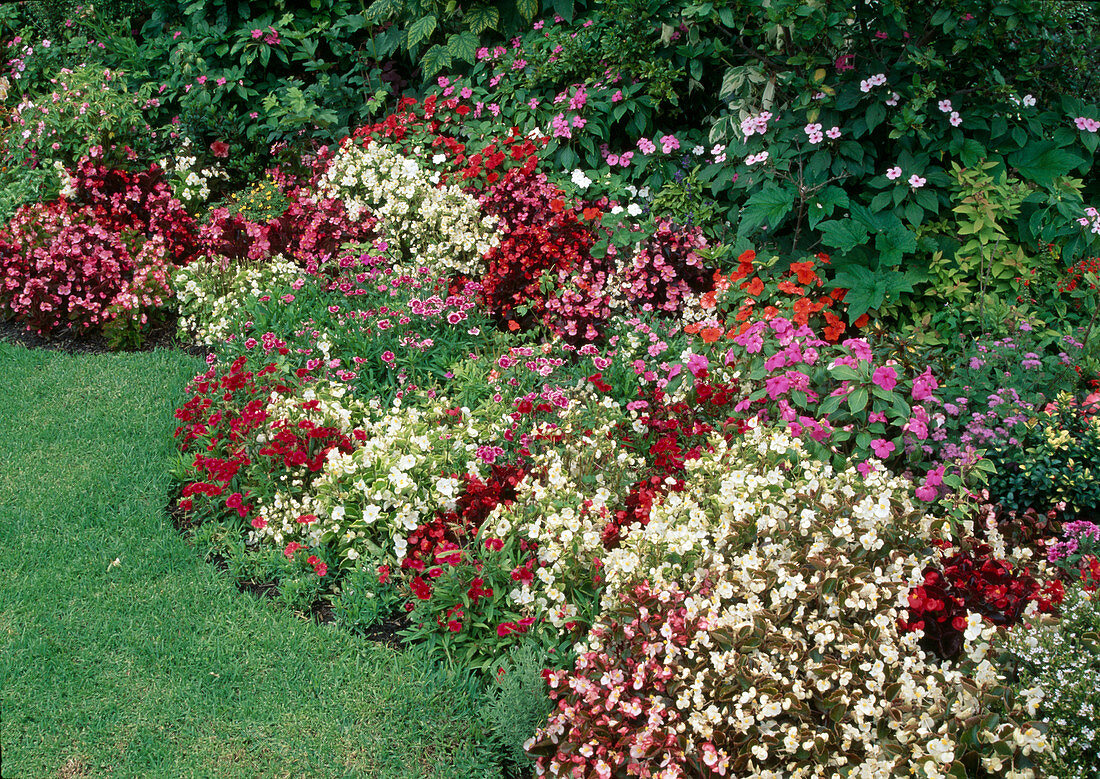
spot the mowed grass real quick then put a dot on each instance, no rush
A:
(159, 666)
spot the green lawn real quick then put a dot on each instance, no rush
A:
(158, 666)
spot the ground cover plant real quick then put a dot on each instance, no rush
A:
(709, 389)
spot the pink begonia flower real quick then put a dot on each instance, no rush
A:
(893, 173)
(882, 448)
(885, 377)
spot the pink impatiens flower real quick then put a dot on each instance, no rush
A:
(882, 448)
(646, 146)
(893, 173)
(916, 182)
(1086, 124)
(885, 377)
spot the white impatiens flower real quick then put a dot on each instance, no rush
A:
(580, 180)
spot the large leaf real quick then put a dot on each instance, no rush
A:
(481, 19)
(893, 243)
(823, 204)
(842, 234)
(382, 10)
(420, 30)
(869, 289)
(527, 8)
(463, 46)
(435, 59)
(766, 207)
(564, 9)
(1043, 161)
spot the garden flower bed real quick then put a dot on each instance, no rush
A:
(773, 456)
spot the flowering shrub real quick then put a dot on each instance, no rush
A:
(759, 289)
(310, 230)
(79, 109)
(780, 648)
(210, 291)
(1052, 465)
(141, 202)
(840, 396)
(61, 268)
(1078, 553)
(542, 270)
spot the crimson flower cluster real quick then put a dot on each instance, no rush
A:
(972, 580)
(310, 230)
(669, 434)
(141, 202)
(85, 262)
(543, 243)
(219, 425)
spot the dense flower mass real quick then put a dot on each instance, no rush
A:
(742, 434)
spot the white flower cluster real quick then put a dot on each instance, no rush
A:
(67, 182)
(324, 404)
(209, 291)
(438, 226)
(190, 182)
(372, 498)
(1059, 662)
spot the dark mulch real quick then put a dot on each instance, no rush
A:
(161, 336)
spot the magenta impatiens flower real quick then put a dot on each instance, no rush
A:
(885, 377)
(882, 448)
